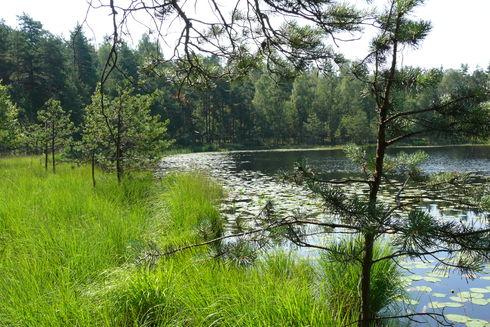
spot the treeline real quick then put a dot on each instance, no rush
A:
(261, 108)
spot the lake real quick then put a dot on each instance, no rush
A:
(250, 180)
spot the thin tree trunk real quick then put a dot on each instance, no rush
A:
(53, 146)
(93, 169)
(46, 154)
(46, 147)
(367, 314)
(119, 168)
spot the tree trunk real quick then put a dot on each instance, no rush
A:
(46, 146)
(119, 167)
(53, 147)
(93, 169)
(46, 154)
(367, 314)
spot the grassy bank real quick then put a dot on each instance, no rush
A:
(57, 235)
(74, 255)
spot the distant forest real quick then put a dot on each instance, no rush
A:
(260, 108)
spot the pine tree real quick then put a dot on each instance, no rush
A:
(413, 232)
(54, 131)
(123, 135)
(10, 133)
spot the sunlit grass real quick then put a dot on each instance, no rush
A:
(67, 257)
(57, 235)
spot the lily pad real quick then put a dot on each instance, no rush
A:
(479, 290)
(421, 265)
(435, 294)
(480, 301)
(431, 279)
(441, 305)
(485, 277)
(459, 299)
(425, 289)
(415, 277)
(457, 318)
(470, 295)
(477, 323)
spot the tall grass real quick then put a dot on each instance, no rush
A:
(57, 234)
(67, 258)
(194, 290)
(342, 272)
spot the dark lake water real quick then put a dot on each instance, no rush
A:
(446, 158)
(249, 179)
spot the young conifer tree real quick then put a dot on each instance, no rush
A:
(413, 232)
(123, 135)
(54, 131)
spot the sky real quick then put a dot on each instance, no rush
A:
(460, 33)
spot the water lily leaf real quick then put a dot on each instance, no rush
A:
(435, 294)
(457, 318)
(479, 290)
(458, 299)
(425, 289)
(409, 301)
(470, 295)
(477, 323)
(416, 277)
(485, 277)
(431, 279)
(441, 305)
(422, 265)
(480, 301)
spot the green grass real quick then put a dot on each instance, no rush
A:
(67, 258)
(57, 234)
(342, 278)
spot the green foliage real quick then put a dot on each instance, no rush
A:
(355, 127)
(122, 134)
(55, 126)
(244, 103)
(10, 134)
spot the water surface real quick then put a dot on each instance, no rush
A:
(250, 180)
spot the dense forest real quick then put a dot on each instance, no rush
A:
(271, 107)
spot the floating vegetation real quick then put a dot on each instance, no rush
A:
(470, 295)
(480, 290)
(442, 305)
(480, 301)
(439, 295)
(457, 318)
(425, 289)
(459, 299)
(467, 320)
(431, 279)
(477, 323)
(413, 277)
